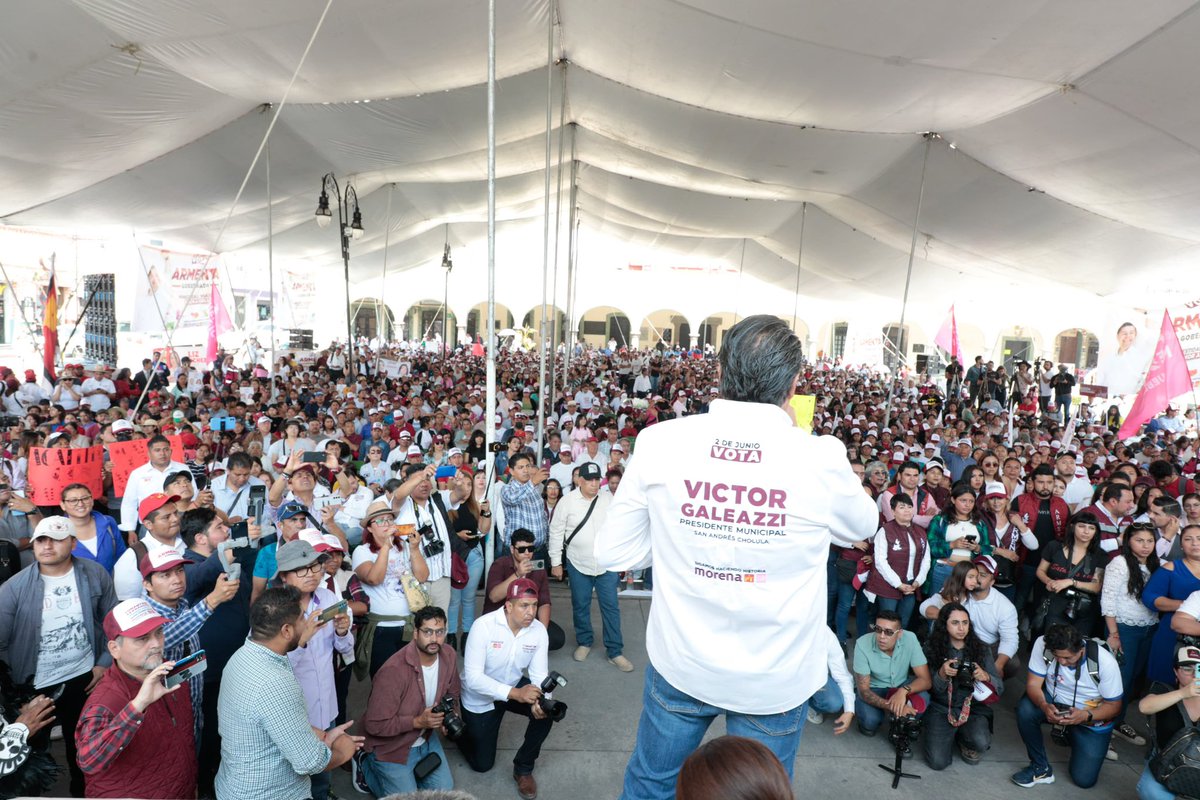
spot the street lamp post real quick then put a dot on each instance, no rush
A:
(447, 264)
(349, 227)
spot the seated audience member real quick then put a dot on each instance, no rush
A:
(136, 737)
(891, 675)
(966, 683)
(1075, 686)
(400, 722)
(1175, 712)
(732, 767)
(519, 563)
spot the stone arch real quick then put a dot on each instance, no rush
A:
(599, 324)
(556, 318)
(665, 327)
(369, 315)
(1077, 346)
(423, 319)
(477, 320)
(712, 328)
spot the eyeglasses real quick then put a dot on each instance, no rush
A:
(524, 549)
(435, 632)
(74, 501)
(1186, 669)
(304, 572)
(886, 631)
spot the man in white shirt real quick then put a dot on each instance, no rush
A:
(161, 519)
(562, 470)
(577, 518)
(1079, 489)
(993, 616)
(505, 665)
(736, 509)
(231, 491)
(98, 390)
(147, 480)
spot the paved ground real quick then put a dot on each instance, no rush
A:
(586, 754)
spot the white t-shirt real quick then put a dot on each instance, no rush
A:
(1190, 606)
(1073, 686)
(957, 530)
(388, 597)
(96, 391)
(430, 676)
(64, 651)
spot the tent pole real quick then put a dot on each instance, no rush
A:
(799, 260)
(737, 310)
(489, 425)
(543, 328)
(271, 268)
(562, 141)
(381, 310)
(569, 339)
(912, 251)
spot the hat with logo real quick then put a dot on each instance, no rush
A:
(153, 503)
(289, 510)
(590, 471)
(994, 489)
(985, 562)
(161, 560)
(122, 425)
(413, 450)
(1189, 654)
(521, 587)
(315, 538)
(57, 528)
(132, 618)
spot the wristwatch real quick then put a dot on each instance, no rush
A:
(1090, 718)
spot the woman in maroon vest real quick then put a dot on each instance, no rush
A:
(901, 561)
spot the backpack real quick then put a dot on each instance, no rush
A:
(1091, 657)
(1177, 765)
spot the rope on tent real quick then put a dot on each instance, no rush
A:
(912, 251)
(799, 260)
(385, 316)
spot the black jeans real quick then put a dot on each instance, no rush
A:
(67, 708)
(387, 642)
(479, 743)
(940, 736)
(210, 741)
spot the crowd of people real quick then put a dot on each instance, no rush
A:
(294, 529)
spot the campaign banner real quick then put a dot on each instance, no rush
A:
(52, 469)
(172, 290)
(392, 368)
(300, 295)
(125, 457)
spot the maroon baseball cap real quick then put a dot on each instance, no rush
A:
(521, 587)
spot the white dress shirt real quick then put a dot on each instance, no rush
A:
(496, 660)
(143, 482)
(127, 579)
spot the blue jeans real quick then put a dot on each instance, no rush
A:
(353, 535)
(846, 596)
(1150, 789)
(870, 717)
(937, 576)
(1088, 746)
(605, 587)
(386, 777)
(831, 587)
(468, 592)
(1135, 644)
(672, 725)
(903, 607)
(1063, 401)
(828, 699)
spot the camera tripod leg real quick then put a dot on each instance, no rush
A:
(898, 771)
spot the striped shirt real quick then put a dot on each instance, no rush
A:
(523, 508)
(268, 749)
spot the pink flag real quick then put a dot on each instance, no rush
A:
(218, 322)
(947, 337)
(1166, 379)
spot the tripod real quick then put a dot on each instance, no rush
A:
(897, 769)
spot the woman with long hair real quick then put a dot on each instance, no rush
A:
(477, 448)
(733, 768)
(955, 716)
(975, 477)
(1129, 624)
(990, 465)
(956, 534)
(1009, 544)
(958, 587)
(471, 521)
(1165, 591)
(1191, 508)
(1073, 573)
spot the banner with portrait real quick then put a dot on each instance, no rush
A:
(172, 291)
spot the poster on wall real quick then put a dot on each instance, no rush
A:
(1127, 343)
(299, 294)
(172, 291)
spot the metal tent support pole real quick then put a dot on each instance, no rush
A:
(382, 315)
(543, 329)
(799, 260)
(489, 425)
(569, 339)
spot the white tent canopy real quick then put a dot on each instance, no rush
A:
(1067, 157)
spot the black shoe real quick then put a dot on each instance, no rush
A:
(356, 773)
(866, 732)
(463, 649)
(452, 640)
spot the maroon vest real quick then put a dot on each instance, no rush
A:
(899, 542)
(1028, 505)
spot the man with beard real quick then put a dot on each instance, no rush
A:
(400, 722)
(268, 747)
(135, 736)
(1044, 514)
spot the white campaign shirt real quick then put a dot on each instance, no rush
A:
(96, 392)
(143, 482)
(127, 579)
(496, 660)
(736, 509)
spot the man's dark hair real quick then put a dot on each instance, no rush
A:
(274, 609)
(901, 499)
(157, 438)
(240, 460)
(1169, 506)
(886, 614)
(760, 358)
(427, 613)
(1161, 470)
(523, 535)
(518, 458)
(392, 485)
(408, 470)
(1113, 491)
(178, 475)
(1043, 469)
(75, 487)
(1063, 637)
(907, 465)
(194, 522)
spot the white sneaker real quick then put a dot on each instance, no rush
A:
(56, 733)
(622, 663)
(581, 652)
(815, 717)
(1111, 755)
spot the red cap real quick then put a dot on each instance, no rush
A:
(132, 618)
(153, 503)
(521, 587)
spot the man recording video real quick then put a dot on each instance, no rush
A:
(506, 664)
(1075, 686)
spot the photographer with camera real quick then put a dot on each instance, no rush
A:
(405, 711)
(1073, 574)
(506, 668)
(1075, 686)
(416, 503)
(891, 675)
(966, 683)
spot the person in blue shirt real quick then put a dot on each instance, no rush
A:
(97, 537)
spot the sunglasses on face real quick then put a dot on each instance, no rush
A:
(523, 548)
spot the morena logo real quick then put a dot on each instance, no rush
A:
(731, 577)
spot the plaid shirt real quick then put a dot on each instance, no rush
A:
(101, 737)
(180, 639)
(524, 508)
(268, 749)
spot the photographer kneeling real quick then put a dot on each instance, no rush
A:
(1075, 686)
(965, 684)
(891, 675)
(504, 644)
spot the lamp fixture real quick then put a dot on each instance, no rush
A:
(324, 216)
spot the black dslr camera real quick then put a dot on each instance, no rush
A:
(902, 731)
(965, 679)
(554, 709)
(453, 723)
(431, 545)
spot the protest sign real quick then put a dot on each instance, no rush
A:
(128, 456)
(52, 469)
